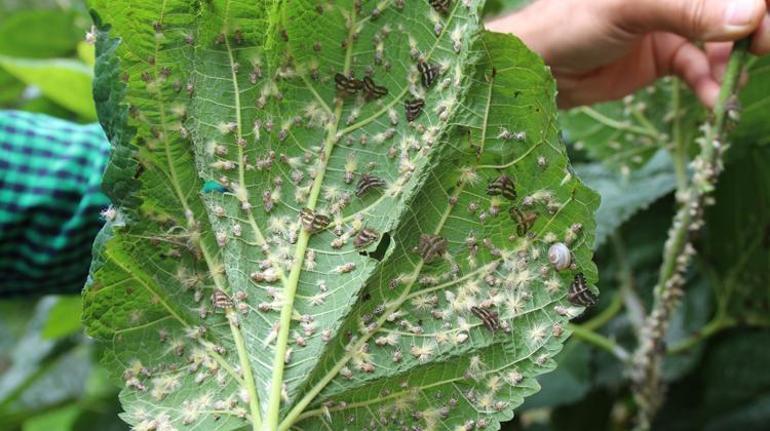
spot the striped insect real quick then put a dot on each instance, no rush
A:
(428, 73)
(524, 220)
(313, 222)
(502, 186)
(431, 247)
(365, 237)
(441, 6)
(347, 86)
(220, 300)
(413, 108)
(368, 182)
(579, 294)
(372, 90)
(489, 318)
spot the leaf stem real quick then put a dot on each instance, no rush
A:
(646, 368)
(248, 375)
(606, 315)
(276, 386)
(680, 146)
(620, 125)
(718, 324)
(582, 333)
(240, 346)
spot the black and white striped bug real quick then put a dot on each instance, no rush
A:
(431, 247)
(502, 186)
(441, 6)
(365, 237)
(313, 222)
(524, 220)
(428, 73)
(489, 318)
(579, 293)
(347, 86)
(372, 90)
(368, 182)
(220, 300)
(413, 109)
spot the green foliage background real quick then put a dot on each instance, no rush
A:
(49, 376)
(717, 365)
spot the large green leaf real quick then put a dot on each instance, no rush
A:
(41, 373)
(754, 126)
(66, 82)
(39, 34)
(736, 247)
(625, 195)
(10, 88)
(225, 124)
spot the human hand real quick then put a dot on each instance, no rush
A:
(602, 50)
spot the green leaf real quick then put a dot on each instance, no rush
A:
(499, 7)
(10, 88)
(195, 95)
(42, 372)
(625, 195)
(737, 242)
(754, 126)
(61, 420)
(66, 82)
(44, 105)
(39, 34)
(64, 318)
(735, 380)
(626, 134)
(86, 53)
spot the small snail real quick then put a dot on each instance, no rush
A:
(560, 256)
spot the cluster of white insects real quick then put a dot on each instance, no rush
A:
(472, 293)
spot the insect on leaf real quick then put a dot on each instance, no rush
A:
(267, 209)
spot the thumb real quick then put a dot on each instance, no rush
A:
(707, 20)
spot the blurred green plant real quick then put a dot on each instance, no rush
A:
(45, 65)
(49, 378)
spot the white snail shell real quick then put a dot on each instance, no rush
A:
(560, 256)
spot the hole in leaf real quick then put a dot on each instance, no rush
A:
(382, 247)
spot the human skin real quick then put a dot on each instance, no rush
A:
(602, 50)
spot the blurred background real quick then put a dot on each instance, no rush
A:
(50, 379)
(49, 376)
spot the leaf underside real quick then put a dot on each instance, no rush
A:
(226, 123)
(626, 134)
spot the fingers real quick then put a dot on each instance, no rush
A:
(718, 54)
(761, 43)
(694, 67)
(708, 20)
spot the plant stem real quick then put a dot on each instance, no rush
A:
(600, 341)
(680, 146)
(606, 315)
(717, 325)
(646, 376)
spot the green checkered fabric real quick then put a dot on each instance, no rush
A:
(50, 201)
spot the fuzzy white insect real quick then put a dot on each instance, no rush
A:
(560, 256)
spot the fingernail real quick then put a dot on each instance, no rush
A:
(740, 12)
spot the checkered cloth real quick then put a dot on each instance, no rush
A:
(50, 201)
